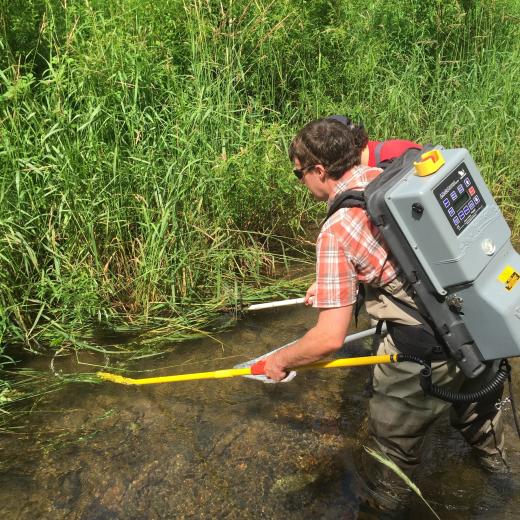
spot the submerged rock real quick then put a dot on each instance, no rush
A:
(293, 483)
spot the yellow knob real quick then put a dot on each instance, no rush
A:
(430, 163)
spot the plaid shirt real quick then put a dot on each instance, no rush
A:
(350, 249)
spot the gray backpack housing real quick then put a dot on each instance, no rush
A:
(452, 242)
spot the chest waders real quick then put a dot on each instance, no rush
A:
(442, 225)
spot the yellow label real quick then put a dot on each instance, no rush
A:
(509, 277)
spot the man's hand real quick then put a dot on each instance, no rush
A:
(273, 369)
(309, 295)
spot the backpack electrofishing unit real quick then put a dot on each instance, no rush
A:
(450, 238)
(453, 245)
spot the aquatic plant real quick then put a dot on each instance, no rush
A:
(383, 459)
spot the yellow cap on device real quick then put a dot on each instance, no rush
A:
(430, 163)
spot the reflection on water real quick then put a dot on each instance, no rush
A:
(226, 448)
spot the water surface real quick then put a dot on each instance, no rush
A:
(226, 448)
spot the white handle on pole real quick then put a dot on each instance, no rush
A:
(271, 305)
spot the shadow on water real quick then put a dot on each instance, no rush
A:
(225, 448)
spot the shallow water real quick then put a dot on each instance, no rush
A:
(226, 448)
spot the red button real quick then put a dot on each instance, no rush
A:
(471, 191)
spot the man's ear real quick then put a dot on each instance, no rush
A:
(322, 173)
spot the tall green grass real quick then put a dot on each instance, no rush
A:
(143, 170)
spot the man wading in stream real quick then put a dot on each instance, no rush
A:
(326, 155)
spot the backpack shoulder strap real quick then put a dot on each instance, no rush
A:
(346, 199)
(377, 152)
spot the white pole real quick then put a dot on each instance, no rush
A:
(363, 334)
(272, 305)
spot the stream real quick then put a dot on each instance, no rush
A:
(231, 448)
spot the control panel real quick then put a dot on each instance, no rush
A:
(459, 198)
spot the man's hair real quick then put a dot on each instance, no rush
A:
(329, 142)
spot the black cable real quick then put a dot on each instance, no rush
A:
(456, 397)
(414, 359)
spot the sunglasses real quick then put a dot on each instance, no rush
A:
(300, 172)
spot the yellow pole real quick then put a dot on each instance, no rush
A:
(352, 362)
(235, 372)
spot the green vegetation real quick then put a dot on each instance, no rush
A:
(143, 171)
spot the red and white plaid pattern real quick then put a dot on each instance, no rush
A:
(350, 249)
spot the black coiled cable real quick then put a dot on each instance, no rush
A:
(414, 359)
(457, 397)
(503, 374)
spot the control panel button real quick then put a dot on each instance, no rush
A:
(461, 215)
(471, 205)
(466, 210)
(453, 195)
(456, 221)
(467, 182)
(446, 203)
(451, 212)
(460, 188)
(471, 190)
(476, 198)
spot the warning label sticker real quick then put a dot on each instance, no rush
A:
(509, 277)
